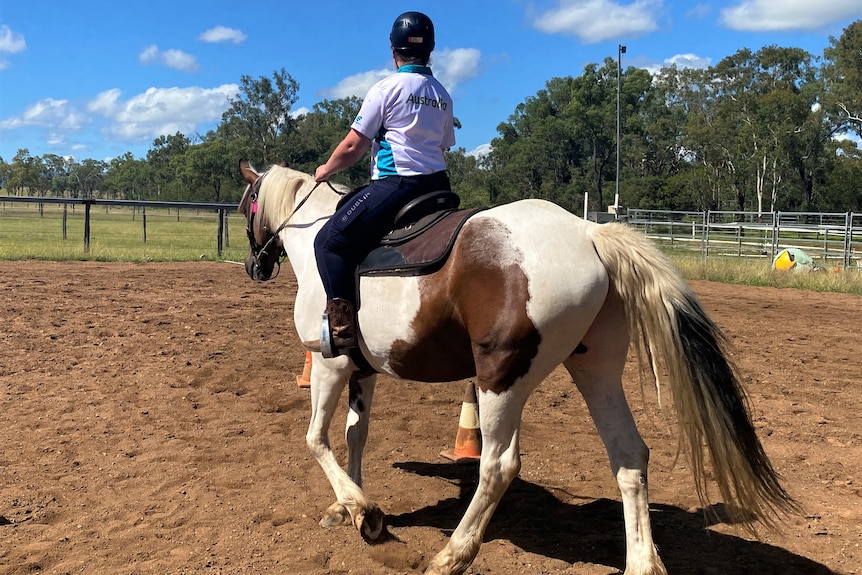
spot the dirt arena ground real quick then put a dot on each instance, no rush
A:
(151, 424)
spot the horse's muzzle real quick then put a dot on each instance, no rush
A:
(255, 271)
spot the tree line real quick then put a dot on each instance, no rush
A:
(759, 131)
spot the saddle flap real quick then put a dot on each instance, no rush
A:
(424, 251)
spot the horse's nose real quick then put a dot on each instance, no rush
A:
(252, 269)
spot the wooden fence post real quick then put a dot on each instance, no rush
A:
(87, 203)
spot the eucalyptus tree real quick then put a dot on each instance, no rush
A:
(23, 173)
(651, 142)
(317, 134)
(208, 171)
(86, 177)
(561, 142)
(164, 159)
(469, 179)
(546, 148)
(262, 115)
(128, 178)
(591, 115)
(54, 176)
(4, 174)
(843, 79)
(841, 186)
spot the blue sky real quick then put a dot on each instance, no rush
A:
(96, 79)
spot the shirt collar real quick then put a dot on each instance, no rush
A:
(416, 69)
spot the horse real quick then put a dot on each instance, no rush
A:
(527, 286)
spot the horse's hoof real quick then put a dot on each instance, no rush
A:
(336, 515)
(371, 523)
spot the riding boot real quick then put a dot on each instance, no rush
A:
(338, 331)
(342, 322)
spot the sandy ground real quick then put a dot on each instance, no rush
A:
(151, 424)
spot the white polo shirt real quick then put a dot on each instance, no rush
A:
(408, 115)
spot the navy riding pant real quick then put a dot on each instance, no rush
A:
(358, 225)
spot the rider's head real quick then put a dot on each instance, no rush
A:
(412, 38)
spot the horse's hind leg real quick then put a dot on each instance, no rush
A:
(361, 390)
(500, 418)
(327, 386)
(598, 375)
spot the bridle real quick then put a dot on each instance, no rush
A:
(259, 251)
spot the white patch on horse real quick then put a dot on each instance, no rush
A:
(398, 301)
(545, 229)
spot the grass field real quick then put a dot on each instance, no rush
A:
(759, 272)
(117, 234)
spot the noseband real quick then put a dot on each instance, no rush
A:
(259, 251)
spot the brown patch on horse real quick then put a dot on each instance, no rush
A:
(473, 316)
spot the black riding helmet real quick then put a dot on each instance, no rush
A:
(412, 32)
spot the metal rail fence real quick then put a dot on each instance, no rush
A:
(221, 210)
(830, 239)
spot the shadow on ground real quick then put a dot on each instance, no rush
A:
(554, 524)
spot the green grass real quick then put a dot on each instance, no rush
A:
(759, 272)
(117, 234)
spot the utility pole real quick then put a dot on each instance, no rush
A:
(620, 51)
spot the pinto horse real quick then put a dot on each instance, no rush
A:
(528, 286)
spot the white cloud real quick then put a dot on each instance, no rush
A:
(179, 60)
(149, 55)
(681, 61)
(455, 66)
(450, 67)
(223, 34)
(688, 61)
(480, 151)
(176, 59)
(156, 112)
(161, 111)
(769, 15)
(698, 11)
(10, 42)
(105, 103)
(356, 85)
(594, 21)
(47, 113)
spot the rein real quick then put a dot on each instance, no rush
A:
(257, 250)
(300, 204)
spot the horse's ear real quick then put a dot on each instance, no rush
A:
(248, 173)
(284, 164)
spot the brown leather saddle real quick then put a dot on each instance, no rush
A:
(423, 235)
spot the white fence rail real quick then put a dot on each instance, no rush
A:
(831, 239)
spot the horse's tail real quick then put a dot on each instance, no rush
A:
(667, 320)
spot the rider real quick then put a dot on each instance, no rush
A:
(407, 121)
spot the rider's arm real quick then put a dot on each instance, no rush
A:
(347, 153)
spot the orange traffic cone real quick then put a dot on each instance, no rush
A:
(304, 380)
(468, 440)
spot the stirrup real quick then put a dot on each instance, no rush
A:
(327, 349)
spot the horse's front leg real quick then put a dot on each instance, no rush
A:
(327, 385)
(361, 394)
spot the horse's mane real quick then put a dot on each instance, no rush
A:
(279, 190)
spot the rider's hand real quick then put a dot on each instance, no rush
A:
(321, 174)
